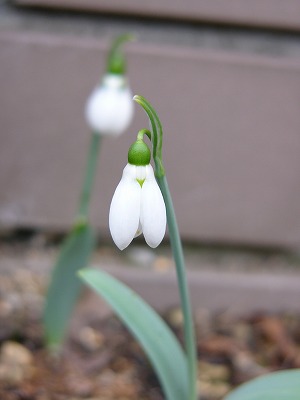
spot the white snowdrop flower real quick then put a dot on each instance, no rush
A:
(137, 205)
(109, 109)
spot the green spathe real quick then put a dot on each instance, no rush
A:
(139, 153)
(116, 63)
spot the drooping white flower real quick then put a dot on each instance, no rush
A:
(137, 206)
(109, 109)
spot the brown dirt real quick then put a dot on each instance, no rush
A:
(101, 361)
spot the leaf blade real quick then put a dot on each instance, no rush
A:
(146, 325)
(282, 385)
(65, 285)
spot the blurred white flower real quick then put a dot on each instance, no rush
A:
(137, 206)
(109, 109)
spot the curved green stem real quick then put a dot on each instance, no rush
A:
(83, 209)
(142, 132)
(156, 137)
(189, 334)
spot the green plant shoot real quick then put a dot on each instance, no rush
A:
(108, 113)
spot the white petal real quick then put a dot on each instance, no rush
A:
(141, 172)
(153, 210)
(124, 210)
(109, 109)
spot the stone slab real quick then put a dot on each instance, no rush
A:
(262, 13)
(234, 292)
(231, 148)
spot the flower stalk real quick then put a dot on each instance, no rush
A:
(89, 177)
(176, 245)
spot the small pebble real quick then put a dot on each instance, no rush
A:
(175, 317)
(163, 264)
(213, 390)
(16, 363)
(213, 372)
(90, 339)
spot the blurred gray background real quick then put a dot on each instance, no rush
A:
(225, 81)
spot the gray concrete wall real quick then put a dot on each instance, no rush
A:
(230, 113)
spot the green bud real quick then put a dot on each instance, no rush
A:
(139, 153)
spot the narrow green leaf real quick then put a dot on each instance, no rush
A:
(282, 385)
(159, 342)
(65, 285)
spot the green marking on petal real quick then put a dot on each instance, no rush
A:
(141, 181)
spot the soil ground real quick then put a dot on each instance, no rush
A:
(100, 359)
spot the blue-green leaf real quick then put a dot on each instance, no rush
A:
(283, 385)
(65, 285)
(158, 341)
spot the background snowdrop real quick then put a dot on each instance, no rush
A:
(109, 111)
